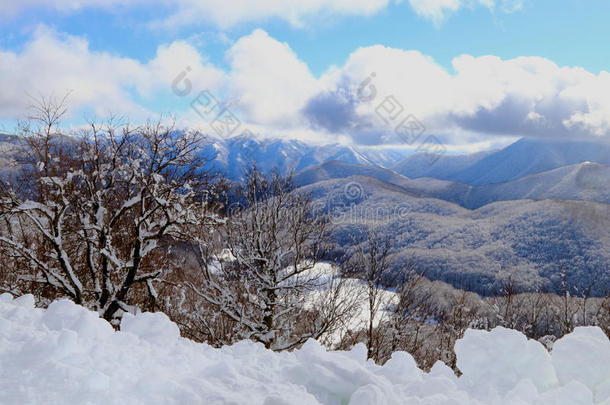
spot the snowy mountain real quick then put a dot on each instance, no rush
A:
(334, 169)
(535, 242)
(583, 181)
(442, 167)
(530, 156)
(234, 155)
(522, 158)
(423, 187)
(9, 148)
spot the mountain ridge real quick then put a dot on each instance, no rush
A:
(582, 181)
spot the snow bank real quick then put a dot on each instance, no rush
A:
(67, 355)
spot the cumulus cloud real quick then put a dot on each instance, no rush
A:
(174, 59)
(529, 96)
(54, 63)
(267, 79)
(526, 96)
(333, 110)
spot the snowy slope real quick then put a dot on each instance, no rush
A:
(425, 187)
(351, 288)
(582, 181)
(67, 355)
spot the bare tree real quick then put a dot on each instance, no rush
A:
(410, 315)
(371, 263)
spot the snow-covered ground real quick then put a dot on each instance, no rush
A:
(351, 288)
(67, 355)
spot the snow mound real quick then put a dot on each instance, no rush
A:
(67, 355)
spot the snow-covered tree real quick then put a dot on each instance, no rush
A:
(97, 209)
(264, 280)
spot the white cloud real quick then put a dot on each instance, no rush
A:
(53, 63)
(10, 8)
(233, 12)
(438, 11)
(269, 81)
(435, 10)
(224, 14)
(173, 59)
(273, 91)
(229, 13)
(526, 96)
(511, 6)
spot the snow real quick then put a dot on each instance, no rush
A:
(325, 272)
(66, 354)
(590, 365)
(515, 358)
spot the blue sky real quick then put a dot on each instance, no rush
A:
(569, 32)
(329, 43)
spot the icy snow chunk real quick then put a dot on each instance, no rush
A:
(154, 327)
(602, 392)
(524, 393)
(440, 369)
(574, 393)
(438, 390)
(25, 301)
(67, 355)
(368, 395)
(333, 376)
(584, 356)
(358, 352)
(291, 399)
(64, 314)
(497, 361)
(17, 310)
(401, 368)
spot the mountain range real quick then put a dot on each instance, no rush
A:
(233, 156)
(545, 245)
(583, 181)
(524, 157)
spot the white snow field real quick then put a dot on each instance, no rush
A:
(67, 355)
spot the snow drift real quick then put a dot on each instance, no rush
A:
(67, 355)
